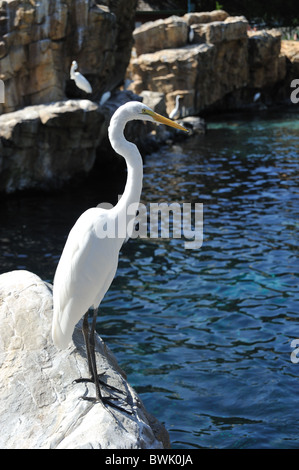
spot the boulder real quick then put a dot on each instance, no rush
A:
(266, 64)
(231, 29)
(160, 34)
(169, 70)
(44, 146)
(194, 124)
(40, 406)
(202, 73)
(155, 100)
(290, 50)
(39, 40)
(205, 17)
(222, 60)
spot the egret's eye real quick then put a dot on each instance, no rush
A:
(147, 112)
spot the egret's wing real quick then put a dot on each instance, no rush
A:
(83, 83)
(85, 271)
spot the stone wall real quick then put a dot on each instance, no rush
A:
(49, 145)
(39, 40)
(219, 56)
(210, 59)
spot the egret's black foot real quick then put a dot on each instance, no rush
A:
(101, 382)
(106, 401)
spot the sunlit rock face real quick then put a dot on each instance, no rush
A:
(39, 40)
(205, 57)
(202, 67)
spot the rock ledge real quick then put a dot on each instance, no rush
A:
(40, 407)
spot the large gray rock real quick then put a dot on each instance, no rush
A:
(46, 145)
(40, 406)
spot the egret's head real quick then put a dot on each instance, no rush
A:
(131, 111)
(149, 115)
(136, 110)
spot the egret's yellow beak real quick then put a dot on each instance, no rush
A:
(163, 120)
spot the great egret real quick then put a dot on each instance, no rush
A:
(80, 80)
(191, 34)
(256, 97)
(89, 259)
(175, 112)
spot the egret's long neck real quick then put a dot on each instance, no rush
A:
(133, 159)
(72, 71)
(133, 186)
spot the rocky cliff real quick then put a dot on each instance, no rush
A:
(207, 58)
(48, 145)
(214, 61)
(47, 139)
(39, 40)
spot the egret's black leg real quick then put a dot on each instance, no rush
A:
(89, 338)
(85, 331)
(93, 361)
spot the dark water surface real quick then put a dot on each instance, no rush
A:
(204, 335)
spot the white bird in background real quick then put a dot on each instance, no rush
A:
(89, 259)
(256, 97)
(80, 80)
(175, 112)
(105, 97)
(191, 34)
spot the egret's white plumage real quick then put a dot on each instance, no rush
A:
(89, 260)
(105, 97)
(175, 112)
(80, 80)
(88, 263)
(191, 34)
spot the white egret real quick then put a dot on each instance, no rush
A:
(175, 112)
(191, 34)
(80, 80)
(89, 259)
(256, 97)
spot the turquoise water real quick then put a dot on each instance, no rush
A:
(204, 335)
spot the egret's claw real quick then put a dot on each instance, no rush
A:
(104, 384)
(106, 401)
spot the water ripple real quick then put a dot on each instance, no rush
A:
(204, 335)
